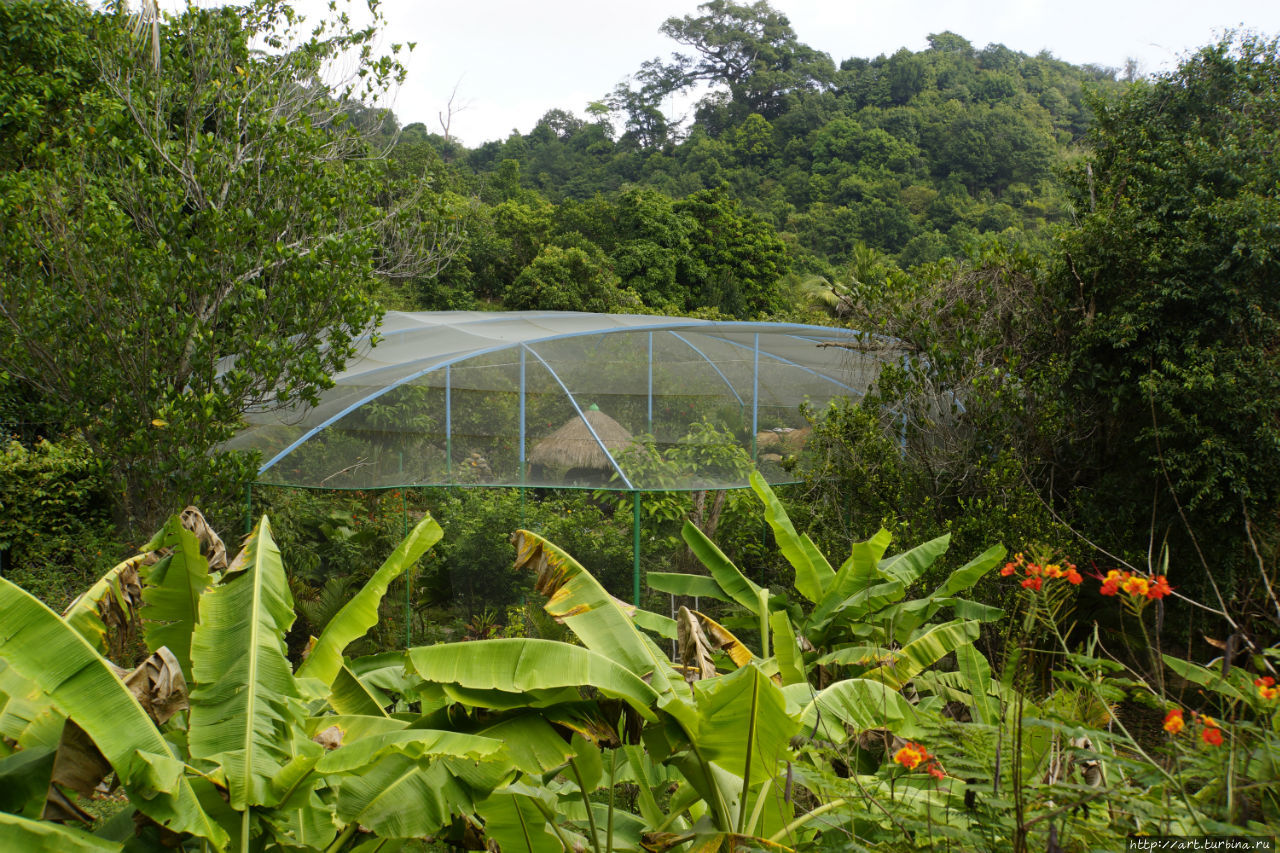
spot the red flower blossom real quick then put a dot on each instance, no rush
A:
(1211, 735)
(1159, 587)
(1173, 722)
(1033, 583)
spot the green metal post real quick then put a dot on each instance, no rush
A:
(408, 573)
(635, 548)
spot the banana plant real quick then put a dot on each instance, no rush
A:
(217, 738)
(854, 620)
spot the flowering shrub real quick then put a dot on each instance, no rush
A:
(1134, 585)
(1036, 574)
(912, 755)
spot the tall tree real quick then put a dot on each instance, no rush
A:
(1174, 266)
(750, 49)
(185, 241)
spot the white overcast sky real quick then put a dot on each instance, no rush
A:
(512, 61)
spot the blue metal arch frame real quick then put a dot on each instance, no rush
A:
(799, 330)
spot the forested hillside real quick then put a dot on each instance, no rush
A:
(805, 164)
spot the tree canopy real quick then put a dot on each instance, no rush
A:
(184, 242)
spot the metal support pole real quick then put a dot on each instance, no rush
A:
(755, 398)
(448, 421)
(408, 572)
(649, 421)
(522, 414)
(635, 548)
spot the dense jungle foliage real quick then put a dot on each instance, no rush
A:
(198, 213)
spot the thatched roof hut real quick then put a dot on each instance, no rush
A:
(573, 445)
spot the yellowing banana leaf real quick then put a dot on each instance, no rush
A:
(721, 638)
(173, 591)
(360, 614)
(924, 651)
(813, 573)
(695, 650)
(35, 836)
(599, 620)
(860, 704)
(519, 665)
(728, 577)
(910, 565)
(44, 649)
(244, 684)
(110, 606)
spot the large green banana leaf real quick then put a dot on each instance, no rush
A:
(679, 583)
(41, 647)
(724, 574)
(813, 573)
(908, 566)
(861, 704)
(360, 614)
(599, 620)
(977, 674)
(862, 568)
(403, 797)
(28, 716)
(924, 651)
(173, 591)
(518, 665)
(518, 821)
(532, 744)
(745, 726)
(241, 712)
(414, 743)
(36, 836)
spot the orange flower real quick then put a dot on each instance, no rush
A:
(935, 771)
(1111, 583)
(1033, 583)
(1009, 568)
(1159, 587)
(1073, 577)
(1135, 585)
(911, 755)
(1053, 570)
(1211, 735)
(1173, 722)
(1266, 687)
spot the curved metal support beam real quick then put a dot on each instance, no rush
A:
(581, 414)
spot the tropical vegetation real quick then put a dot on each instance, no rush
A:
(200, 211)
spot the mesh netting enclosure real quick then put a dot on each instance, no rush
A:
(560, 399)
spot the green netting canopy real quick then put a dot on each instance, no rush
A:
(558, 399)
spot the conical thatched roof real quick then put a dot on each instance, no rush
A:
(573, 446)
